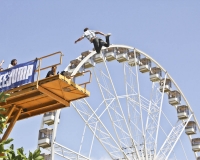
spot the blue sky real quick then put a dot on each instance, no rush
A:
(166, 30)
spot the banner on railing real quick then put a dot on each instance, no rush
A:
(18, 75)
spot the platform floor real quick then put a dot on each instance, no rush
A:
(52, 93)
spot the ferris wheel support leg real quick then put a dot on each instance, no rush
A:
(54, 133)
(82, 140)
(93, 139)
(41, 126)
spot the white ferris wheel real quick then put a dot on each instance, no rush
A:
(135, 111)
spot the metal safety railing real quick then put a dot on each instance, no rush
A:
(89, 81)
(39, 69)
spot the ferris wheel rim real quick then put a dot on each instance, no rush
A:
(92, 53)
(143, 53)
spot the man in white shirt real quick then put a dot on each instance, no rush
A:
(98, 42)
(13, 63)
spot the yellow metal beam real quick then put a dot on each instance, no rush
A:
(23, 98)
(11, 125)
(9, 112)
(35, 112)
(53, 96)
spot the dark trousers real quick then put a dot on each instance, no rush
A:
(98, 43)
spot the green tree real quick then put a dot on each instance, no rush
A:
(9, 153)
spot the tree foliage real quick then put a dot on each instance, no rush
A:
(8, 153)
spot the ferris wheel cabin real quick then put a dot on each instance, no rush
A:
(134, 58)
(165, 84)
(73, 64)
(183, 112)
(155, 74)
(174, 97)
(110, 53)
(98, 58)
(191, 128)
(90, 62)
(45, 137)
(49, 118)
(46, 156)
(196, 144)
(122, 55)
(145, 65)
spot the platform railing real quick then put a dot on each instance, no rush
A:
(89, 81)
(39, 69)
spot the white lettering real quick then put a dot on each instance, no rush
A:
(9, 79)
(4, 80)
(1, 80)
(14, 75)
(21, 73)
(24, 72)
(29, 71)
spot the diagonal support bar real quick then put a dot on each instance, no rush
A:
(54, 96)
(11, 125)
(9, 112)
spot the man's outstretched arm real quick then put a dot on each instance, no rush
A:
(79, 39)
(101, 33)
(1, 63)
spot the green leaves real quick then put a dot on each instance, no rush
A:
(6, 141)
(3, 97)
(35, 155)
(3, 119)
(9, 153)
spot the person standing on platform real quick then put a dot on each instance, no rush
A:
(52, 72)
(12, 63)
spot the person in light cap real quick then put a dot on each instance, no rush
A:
(98, 42)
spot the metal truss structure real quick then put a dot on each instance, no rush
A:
(129, 117)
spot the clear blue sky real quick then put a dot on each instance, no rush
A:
(166, 30)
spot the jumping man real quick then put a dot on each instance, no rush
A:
(98, 42)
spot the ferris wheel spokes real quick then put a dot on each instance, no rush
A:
(153, 118)
(115, 112)
(172, 139)
(102, 134)
(134, 106)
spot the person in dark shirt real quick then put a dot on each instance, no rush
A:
(52, 72)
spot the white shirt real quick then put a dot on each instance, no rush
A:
(10, 66)
(89, 34)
